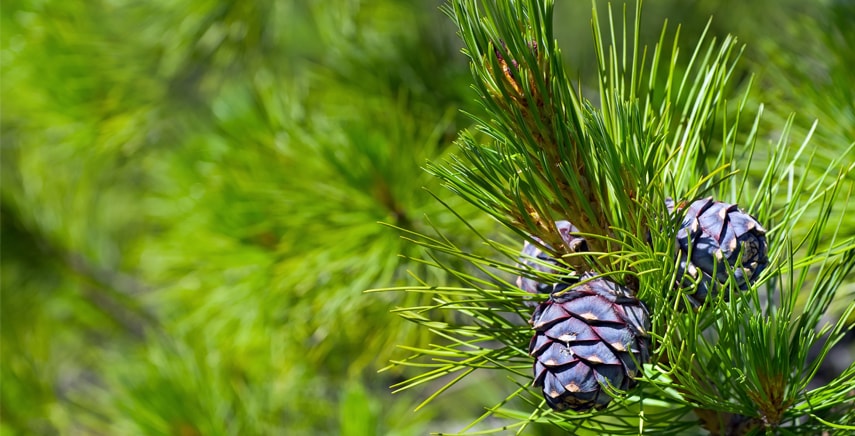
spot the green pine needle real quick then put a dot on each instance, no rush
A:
(659, 128)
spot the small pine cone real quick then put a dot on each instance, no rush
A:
(718, 234)
(572, 243)
(588, 335)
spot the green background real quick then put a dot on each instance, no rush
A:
(192, 194)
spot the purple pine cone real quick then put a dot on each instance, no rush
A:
(530, 251)
(712, 237)
(590, 335)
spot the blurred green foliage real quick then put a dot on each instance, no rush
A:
(192, 190)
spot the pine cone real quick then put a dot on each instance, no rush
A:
(588, 335)
(717, 234)
(572, 243)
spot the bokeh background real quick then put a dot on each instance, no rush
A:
(192, 190)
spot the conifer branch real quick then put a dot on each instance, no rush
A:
(729, 345)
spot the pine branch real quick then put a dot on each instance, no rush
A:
(732, 350)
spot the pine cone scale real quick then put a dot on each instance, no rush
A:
(572, 330)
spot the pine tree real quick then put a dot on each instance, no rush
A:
(191, 195)
(629, 165)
